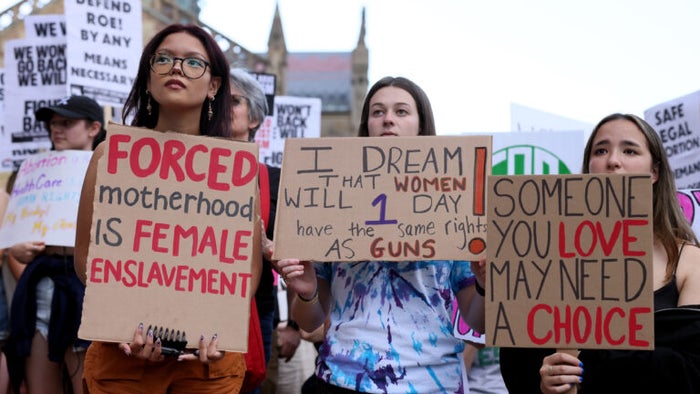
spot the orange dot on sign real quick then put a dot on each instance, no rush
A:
(477, 245)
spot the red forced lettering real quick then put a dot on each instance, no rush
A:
(114, 153)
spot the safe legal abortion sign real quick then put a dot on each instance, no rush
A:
(172, 238)
(570, 261)
(399, 198)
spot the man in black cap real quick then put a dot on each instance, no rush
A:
(66, 115)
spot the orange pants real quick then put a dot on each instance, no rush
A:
(109, 370)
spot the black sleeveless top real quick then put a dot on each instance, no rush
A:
(667, 296)
(520, 367)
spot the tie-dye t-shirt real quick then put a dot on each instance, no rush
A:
(391, 328)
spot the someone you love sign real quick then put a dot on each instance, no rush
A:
(570, 262)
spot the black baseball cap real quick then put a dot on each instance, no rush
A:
(73, 107)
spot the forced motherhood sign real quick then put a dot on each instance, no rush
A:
(174, 231)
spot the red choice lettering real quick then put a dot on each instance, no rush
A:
(146, 157)
(577, 325)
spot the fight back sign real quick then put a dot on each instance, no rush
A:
(173, 236)
(393, 199)
(570, 261)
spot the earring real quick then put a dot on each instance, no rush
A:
(210, 112)
(149, 108)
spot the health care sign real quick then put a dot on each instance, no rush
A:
(174, 231)
(570, 261)
(393, 199)
(44, 202)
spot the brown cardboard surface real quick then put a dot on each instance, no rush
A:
(173, 233)
(397, 198)
(570, 261)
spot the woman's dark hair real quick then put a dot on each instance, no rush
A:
(136, 102)
(425, 111)
(670, 225)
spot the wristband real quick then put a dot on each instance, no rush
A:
(479, 290)
(312, 300)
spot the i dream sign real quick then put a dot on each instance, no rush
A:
(174, 232)
(569, 261)
(393, 199)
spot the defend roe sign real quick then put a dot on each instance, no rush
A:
(399, 198)
(173, 236)
(570, 262)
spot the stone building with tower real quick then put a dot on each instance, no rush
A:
(339, 79)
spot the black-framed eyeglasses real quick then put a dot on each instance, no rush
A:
(192, 67)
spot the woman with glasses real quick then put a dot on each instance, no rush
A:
(182, 85)
(43, 346)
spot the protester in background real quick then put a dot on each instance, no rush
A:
(182, 85)
(43, 346)
(248, 111)
(623, 144)
(14, 267)
(360, 351)
(483, 370)
(4, 306)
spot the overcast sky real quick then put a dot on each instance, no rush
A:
(577, 59)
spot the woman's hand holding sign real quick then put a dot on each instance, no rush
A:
(143, 347)
(479, 270)
(300, 276)
(309, 306)
(560, 372)
(149, 347)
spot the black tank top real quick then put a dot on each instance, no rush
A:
(667, 296)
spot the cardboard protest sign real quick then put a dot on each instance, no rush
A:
(570, 261)
(174, 232)
(44, 201)
(394, 199)
(293, 117)
(678, 124)
(104, 48)
(528, 153)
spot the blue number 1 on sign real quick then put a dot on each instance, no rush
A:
(381, 199)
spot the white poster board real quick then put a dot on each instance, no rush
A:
(104, 48)
(46, 25)
(678, 124)
(44, 201)
(293, 117)
(35, 76)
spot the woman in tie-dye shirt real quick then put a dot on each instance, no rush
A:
(390, 324)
